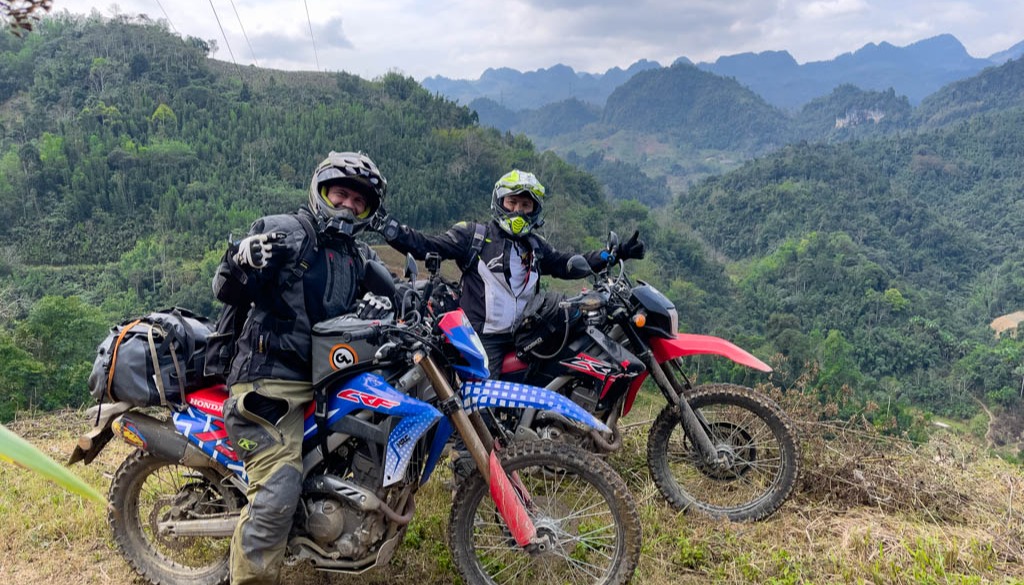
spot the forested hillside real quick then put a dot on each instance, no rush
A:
(992, 90)
(892, 255)
(867, 268)
(128, 157)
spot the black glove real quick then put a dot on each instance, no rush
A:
(374, 307)
(631, 248)
(385, 225)
(261, 250)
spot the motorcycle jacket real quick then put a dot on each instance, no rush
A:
(500, 274)
(319, 278)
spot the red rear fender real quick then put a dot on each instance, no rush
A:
(690, 344)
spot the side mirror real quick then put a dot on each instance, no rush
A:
(378, 280)
(577, 267)
(411, 270)
(613, 241)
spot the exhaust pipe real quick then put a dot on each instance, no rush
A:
(160, 439)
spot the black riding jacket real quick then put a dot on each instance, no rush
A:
(276, 340)
(490, 299)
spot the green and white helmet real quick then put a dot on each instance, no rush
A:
(351, 169)
(517, 182)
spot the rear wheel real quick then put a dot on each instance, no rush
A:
(752, 436)
(580, 507)
(146, 491)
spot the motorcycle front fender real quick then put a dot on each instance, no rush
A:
(690, 344)
(499, 394)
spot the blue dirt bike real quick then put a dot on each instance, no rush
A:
(531, 512)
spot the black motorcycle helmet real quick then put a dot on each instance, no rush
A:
(354, 170)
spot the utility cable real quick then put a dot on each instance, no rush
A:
(257, 63)
(167, 17)
(230, 52)
(315, 55)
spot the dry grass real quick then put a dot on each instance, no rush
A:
(867, 509)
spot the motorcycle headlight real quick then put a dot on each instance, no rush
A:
(673, 316)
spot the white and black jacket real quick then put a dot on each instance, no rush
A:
(498, 281)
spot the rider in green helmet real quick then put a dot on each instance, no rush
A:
(501, 260)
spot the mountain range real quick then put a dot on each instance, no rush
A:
(915, 71)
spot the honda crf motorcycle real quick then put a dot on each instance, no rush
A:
(722, 449)
(393, 394)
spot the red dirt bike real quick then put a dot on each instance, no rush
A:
(722, 449)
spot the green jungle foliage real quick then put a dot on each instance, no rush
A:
(992, 90)
(128, 158)
(869, 268)
(850, 112)
(895, 253)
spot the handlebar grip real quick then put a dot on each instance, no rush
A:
(368, 333)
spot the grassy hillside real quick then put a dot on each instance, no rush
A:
(868, 509)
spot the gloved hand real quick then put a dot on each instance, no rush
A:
(261, 250)
(631, 248)
(385, 225)
(374, 307)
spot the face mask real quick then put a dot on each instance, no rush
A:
(516, 222)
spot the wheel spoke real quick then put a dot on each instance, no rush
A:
(580, 531)
(751, 439)
(148, 491)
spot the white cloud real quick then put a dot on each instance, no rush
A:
(461, 38)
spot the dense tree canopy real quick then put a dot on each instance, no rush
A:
(868, 266)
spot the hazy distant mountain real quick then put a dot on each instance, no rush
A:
(564, 117)
(533, 89)
(1014, 52)
(915, 71)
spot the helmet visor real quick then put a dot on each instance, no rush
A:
(535, 192)
(335, 173)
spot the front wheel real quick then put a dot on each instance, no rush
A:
(146, 491)
(756, 445)
(575, 500)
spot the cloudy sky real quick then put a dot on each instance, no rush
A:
(462, 38)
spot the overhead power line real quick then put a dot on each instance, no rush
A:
(253, 53)
(315, 55)
(230, 52)
(167, 17)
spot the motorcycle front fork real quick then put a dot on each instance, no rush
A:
(507, 491)
(695, 427)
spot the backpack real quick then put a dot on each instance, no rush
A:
(477, 244)
(221, 343)
(153, 360)
(479, 237)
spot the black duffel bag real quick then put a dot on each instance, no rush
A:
(545, 326)
(153, 360)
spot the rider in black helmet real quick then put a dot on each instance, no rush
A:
(296, 269)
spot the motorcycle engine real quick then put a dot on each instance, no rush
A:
(339, 516)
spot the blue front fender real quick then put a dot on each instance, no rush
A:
(496, 393)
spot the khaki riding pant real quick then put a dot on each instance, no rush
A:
(264, 420)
